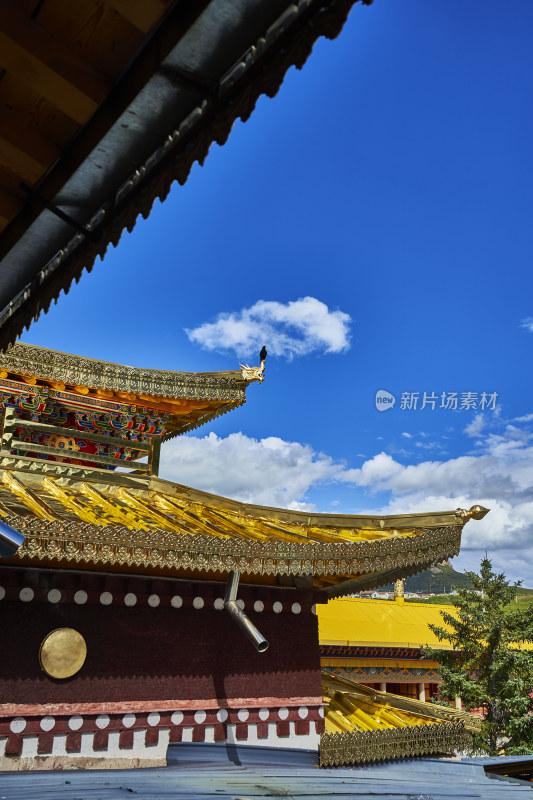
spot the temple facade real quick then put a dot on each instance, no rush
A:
(379, 643)
(139, 612)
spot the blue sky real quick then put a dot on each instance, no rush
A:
(371, 225)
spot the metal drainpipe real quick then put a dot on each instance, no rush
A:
(10, 540)
(238, 616)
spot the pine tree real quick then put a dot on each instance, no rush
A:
(488, 666)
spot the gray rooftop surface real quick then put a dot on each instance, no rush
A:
(204, 773)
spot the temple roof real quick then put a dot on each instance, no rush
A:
(102, 110)
(147, 524)
(79, 459)
(183, 400)
(242, 771)
(365, 725)
(354, 622)
(29, 360)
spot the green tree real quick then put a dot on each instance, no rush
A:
(488, 666)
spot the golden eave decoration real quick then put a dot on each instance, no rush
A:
(51, 365)
(364, 725)
(48, 379)
(167, 528)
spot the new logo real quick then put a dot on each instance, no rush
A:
(384, 400)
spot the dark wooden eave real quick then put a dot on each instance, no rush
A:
(199, 67)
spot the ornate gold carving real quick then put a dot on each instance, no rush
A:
(84, 542)
(251, 374)
(24, 464)
(362, 747)
(62, 653)
(399, 590)
(345, 697)
(478, 512)
(26, 359)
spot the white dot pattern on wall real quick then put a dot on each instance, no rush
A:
(102, 721)
(17, 725)
(53, 596)
(303, 711)
(80, 597)
(240, 603)
(222, 714)
(200, 717)
(219, 604)
(130, 599)
(177, 718)
(259, 606)
(106, 598)
(75, 722)
(277, 608)
(296, 608)
(176, 601)
(264, 714)
(47, 723)
(129, 720)
(26, 594)
(283, 713)
(154, 600)
(2, 592)
(198, 603)
(243, 714)
(153, 718)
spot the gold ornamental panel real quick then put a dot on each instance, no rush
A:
(62, 653)
(366, 747)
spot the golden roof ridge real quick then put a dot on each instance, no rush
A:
(33, 360)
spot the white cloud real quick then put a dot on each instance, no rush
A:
(527, 323)
(407, 435)
(287, 329)
(499, 478)
(268, 471)
(525, 418)
(474, 428)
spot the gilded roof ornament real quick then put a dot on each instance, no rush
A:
(255, 373)
(475, 512)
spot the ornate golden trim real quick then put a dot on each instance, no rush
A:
(114, 544)
(356, 691)
(27, 359)
(418, 521)
(362, 747)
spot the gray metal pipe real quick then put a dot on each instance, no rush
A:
(10, 540)
(238, 616)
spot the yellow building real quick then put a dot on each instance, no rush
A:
(378, 643)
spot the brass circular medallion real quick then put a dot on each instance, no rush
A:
(62, 653)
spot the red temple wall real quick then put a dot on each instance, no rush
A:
(153, 650)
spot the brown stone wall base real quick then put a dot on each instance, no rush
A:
(14, 764)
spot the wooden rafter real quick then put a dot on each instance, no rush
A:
(16, 131)
(19, 161)
(141, 13)
(50, 68)
(9, 206)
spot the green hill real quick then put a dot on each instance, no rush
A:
(441, 579)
